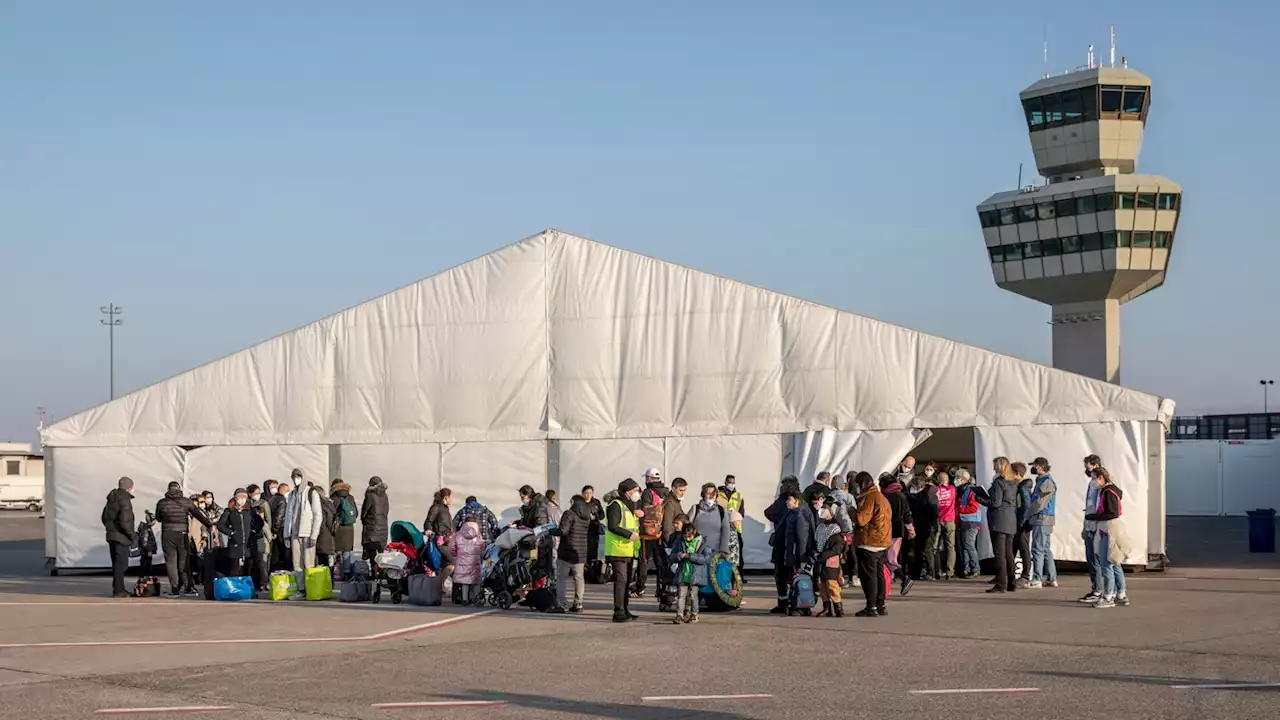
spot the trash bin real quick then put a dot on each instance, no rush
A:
(1262, 531)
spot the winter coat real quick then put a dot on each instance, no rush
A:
(833, 547)
(117, 518)
(924, 505)
(467, 546)
(698, 560)
(874, 520)
(946, 503)
(277, 503)
(1000, 498)
(968, 509)
(325, 544)
(714, 527)
(671, 508)
(797, 537)
(1023, 501)
(175, 509)
(304, 513)
(480, 515)
(597, 515)
(536, 512)
(1108, 508)
(776, 513)
(900, 508)
(373, 515)
(1043, 501)
(265, 506)
(439, 522)
(1090, 502)
(344, 536)
(575, 528)
(241, 530)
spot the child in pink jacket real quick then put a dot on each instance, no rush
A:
(468, 550)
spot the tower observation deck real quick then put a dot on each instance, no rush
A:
(1097, 234)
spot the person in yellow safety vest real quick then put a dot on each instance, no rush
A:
(731, 498)
(622, 545)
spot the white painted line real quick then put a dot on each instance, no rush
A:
(1270, 579)
(968, 691)
(677, 698)
(162, 710)
(437, 704)
(258, 641)
(1227, 686)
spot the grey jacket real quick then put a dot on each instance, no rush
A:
(1041, 495)
(1001, 500)
(713, 526)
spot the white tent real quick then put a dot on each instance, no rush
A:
(560, 361)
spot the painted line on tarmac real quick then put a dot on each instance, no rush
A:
(1270, 579)
(437, 704)
(978, 691)
(391, 634)
(678, 698)
(164, 710)
(1229, 686)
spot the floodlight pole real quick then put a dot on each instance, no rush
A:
(112, 319)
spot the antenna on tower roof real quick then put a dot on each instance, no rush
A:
(1045, 34)
(1090, 57)
(1113, 46)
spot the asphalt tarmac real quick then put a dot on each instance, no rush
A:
(1197, 642)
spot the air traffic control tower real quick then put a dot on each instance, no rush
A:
(1096, 235)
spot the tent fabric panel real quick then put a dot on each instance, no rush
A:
(85, 476)
(605, 463)
(411, 474)
(494, 472)
(874, 451)
(223, 469)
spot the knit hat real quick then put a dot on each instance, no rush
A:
(125, 483)
(627, 486)
(375, 481)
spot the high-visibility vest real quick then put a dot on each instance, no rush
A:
(617, 545)
(731, 500)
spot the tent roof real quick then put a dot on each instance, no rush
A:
(557, 336)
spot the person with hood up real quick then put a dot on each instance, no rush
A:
(969, 523)
(923, 496)
(574, 532)
(373, 519)
(345, 516)
(303, 519)
(281, 558)
(902, 527)
(651, 548)
(777, 514)
(622, 545)
(175, 511)
(872, 538)
(241, 528)
(1113, 545)
(1002, 520)
(467, 547)
(828, 541)
(473, 511)
(118, 521)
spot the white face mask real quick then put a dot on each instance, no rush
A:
(731, 487)
(634, 497)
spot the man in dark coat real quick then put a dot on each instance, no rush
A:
(241, 529)
(278, 502)
(174, 511)
(373, 518)
(117, 519)
(903, 526)
(597, 522)
(535, 511)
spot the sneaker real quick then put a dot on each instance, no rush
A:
(1034, 584)
(575, 609)
(1051, 583)
(557, 610)
(856, 583)
(632, 616)
(1105, 603)
(1090, 599)
(173, 594)
(906, 587)
(637, 593)
(677, 620)
(693, 620)
(867, 612)
(779, 609)
(190, 592)
(1122, 600)
(1023, 583)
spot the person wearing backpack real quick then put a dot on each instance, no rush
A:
(344, 534)
(117, 520)
(303, 518)
(651, 547)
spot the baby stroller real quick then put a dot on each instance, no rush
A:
(505, 575)
(392, 566)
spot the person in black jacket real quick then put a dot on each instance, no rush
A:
(241, 529)
(373, 518)
(174, 511)
(117, 519)
(597, 523)
(281, 557)
(439, 529)
(535, 511)
(629, 498)
(922, 494)
(902, 526)
(571, 557)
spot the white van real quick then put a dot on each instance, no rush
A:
(22, 492)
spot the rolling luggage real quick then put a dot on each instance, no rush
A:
(425, 590)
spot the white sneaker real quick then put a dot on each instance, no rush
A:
(1105, 602)
(1051, 583)
(1123, 600)
(1035, 584)
(1023, 583)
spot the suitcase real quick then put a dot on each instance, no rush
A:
(425, 590)
(147, 587)
(802, 593)
(356, 591)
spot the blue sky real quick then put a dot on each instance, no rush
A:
(228, 171)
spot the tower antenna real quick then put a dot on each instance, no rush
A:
(1045, 34)
(1113, 46)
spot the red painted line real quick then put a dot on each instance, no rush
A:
(255, 641)
(164, 710)
(978, 691)
(437, 704)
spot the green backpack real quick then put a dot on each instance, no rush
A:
(347, 513)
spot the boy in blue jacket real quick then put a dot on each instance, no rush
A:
(689, 558)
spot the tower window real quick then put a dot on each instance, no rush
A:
(1146, 201)
(1072, 107)
(1012, 252)
(1161, 239)
(1167, 201)
(997, 254)
(989, 218)
(1044, 211)
(1142, 239)
(1084, 205)
(1052, 108)
(1031, 250)
(1111, 99)
(1052, 247)
(1008, 216)
(1071, 244)
(1105, 201)
(1134, 98)
(1089, 96)
(1125, 201)
(1091, 241)
(1065, 207)
(1035, 114)
(1026, 213)
(1121, 239)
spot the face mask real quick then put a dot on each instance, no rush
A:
(634, 497)
(731, 487)
(255, 497)
(524, 503)
(928, 473)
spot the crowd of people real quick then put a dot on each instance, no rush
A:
(841, 532)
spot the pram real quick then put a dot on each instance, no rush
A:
(392, 566)
(505, 575)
